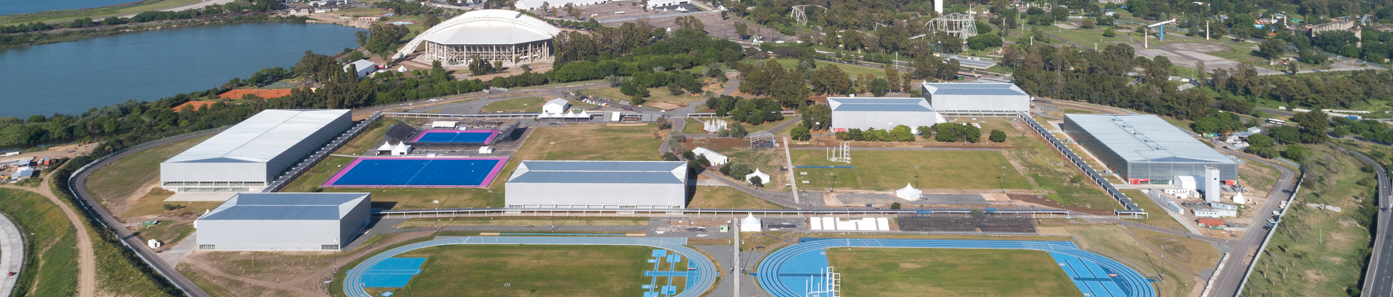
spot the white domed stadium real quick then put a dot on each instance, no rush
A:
(489, 34)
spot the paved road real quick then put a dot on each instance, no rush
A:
(1378, 279)
(78, 185)
(86, 258)
(11, 254)
(1244, 249)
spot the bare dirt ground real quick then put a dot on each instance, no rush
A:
(278, 274)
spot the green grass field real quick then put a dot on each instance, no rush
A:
(949, 272)
(1048, 169)
(98, 13)
(530, 270)
(529, 104)
(1319, 252)
(656, 95)
(851, 70)
(1156, 215)
(884, 170)
(124, 177)
(50, 245)
(727, 197)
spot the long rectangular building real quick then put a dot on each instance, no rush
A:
(251, 154)
(598, 185)
(284, 222)
(976, 98)
(881, 113)
(1145, 148)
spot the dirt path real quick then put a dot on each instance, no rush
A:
(86, 260)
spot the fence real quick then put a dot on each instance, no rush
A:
(324, 151)
(1131, 208)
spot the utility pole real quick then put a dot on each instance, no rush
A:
(1206, 30)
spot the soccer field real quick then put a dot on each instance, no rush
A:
(885, 170)
(948, 272)
(529, 270)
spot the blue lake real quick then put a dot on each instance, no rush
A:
(72, 77)
(28, 6)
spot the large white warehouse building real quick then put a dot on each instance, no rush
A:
(881, 113)
(977, 98)
(284, 222)
(251, 154)
(1146, 148)
(598, 185)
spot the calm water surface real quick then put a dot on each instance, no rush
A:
(28, 6)
(72, 77)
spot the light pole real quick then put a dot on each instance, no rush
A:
(437, 212)
(1163, 263)
(1002, 178)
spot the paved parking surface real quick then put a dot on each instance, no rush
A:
(11, 254)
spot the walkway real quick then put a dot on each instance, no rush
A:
(706, 271)
(11, 254)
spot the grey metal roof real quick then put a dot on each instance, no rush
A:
(286, 206)
(261, 137)
(360, 65)
(970, 62)
(879, 104)
(608, 172)
(1146, 138)
(983, 89)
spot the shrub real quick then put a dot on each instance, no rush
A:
(998, 136)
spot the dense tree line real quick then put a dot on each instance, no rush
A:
(1100, 77)
(753, 111)
(1325, 90)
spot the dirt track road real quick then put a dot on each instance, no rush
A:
(86, 260)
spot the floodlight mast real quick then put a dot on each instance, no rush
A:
(1161, 31)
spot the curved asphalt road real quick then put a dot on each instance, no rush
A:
(78, 185)
(1378, 279)
(11, 254)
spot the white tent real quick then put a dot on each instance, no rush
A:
(751, 224)
(557, 105)
(763, 177)
(716, 158)
(1239, 199)
(909, 193)
(401, 149)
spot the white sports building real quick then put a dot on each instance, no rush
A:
(600, 185)
(506, 36)
(977, 98)
(284, 222)
(881, 113)
(251, 154)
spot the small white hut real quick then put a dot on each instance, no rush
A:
(909, 193)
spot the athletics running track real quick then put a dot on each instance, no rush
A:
(706, 271)
(1123, 281)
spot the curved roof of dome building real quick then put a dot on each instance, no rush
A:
(485, 27)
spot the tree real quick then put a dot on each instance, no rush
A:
(998, 136)
(984, 41)
(383, 38)
(433, 20)
(830, 80)
(1259, 140)
(879, 87)
(816, 117)
(800, 133)
(1272, 48)
(1313, 125)
(1291, 68)
(756, 181)
(1109, 33)
(895, 206)
(892, 77)
(1295, 153)
(1285, 134)
(902, 133)
(742, 29)
(1088, 23)
(737, 130)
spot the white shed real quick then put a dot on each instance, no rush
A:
(1185, 182)
(557, 105)
(751, 224)
(717, 159)
(909, 193)
(364, 67)
(763, 177)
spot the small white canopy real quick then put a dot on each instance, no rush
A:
(387, 146)
(717, 159)
(751, 224)
(763, 177)
(909, 193)
(401, 149)
(1239, 199)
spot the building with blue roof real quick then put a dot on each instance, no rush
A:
(284, 222)
(977, 98)
(617, 185)
(881, 113)
(1146, 148)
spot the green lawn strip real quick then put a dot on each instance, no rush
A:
(851, 70)
(1317, 252)
(530, 270)
(886, 170)
(97, 13)
(127, 175)
(949, 272)
(655, 95)
(727, 198)
(1051, 172)
(50, 245)
(1156, 216)
(529, 104)
(694, 127)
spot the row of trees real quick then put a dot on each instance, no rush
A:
(753, 111)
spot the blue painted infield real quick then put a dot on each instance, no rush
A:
(392, 272)
(417, 172)
(452, 136)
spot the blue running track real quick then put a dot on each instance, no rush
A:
(782, 273)
(701, 279)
